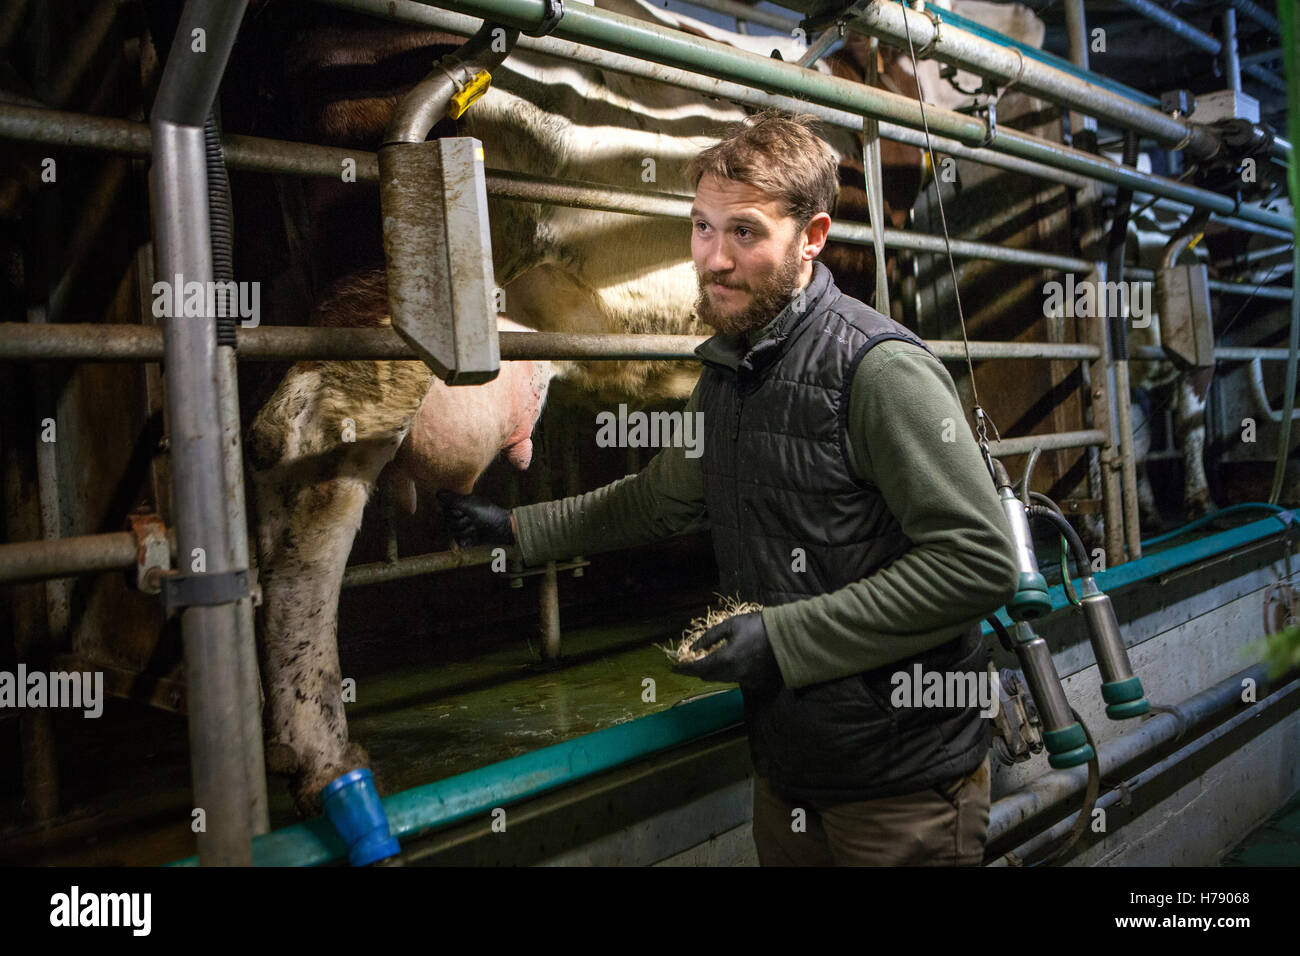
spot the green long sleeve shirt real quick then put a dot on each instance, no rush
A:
(907, 435)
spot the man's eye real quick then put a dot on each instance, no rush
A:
(743, 233)
(701, 225)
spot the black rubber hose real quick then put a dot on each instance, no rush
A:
(221, 227)
(1066, 529)
(1115, 248)
(1000, 630)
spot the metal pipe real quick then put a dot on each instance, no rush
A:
(1261, 56)
(1049, 793)
(97, 342)
(1188, 33)
(1021, 446)
(178, 186)
(420, 109)
(362, 575)
(63, 557)
(507, 184)
(1009, 65)
(673, 48)
(1103, 401)
(1231, 64)
(549, 602)
(1125, 790)
(743, 11)
(1253, 11)
(1260, 395)
(257, 154)
(1076, 26)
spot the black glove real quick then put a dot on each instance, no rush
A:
(745, 659)
(473, 520)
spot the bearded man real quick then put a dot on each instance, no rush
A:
(845, 493)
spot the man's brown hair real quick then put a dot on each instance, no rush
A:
(779, 154)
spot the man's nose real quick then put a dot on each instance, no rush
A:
(719, 257)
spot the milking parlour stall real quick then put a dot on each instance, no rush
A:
(411, 457)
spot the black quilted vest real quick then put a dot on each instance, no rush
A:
(776, 479)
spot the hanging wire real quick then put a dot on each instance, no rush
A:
(981, 417)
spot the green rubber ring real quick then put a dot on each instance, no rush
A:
(1067, 738)
(1071, 758)
(1122, 691)
(1132, 708)
(1031, 599)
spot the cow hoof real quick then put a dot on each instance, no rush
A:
(306, 786)
(1199, 507)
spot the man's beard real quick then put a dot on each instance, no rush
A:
(767, 299)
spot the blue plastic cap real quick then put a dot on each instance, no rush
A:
(352, 805)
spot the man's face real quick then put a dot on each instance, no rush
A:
(749, 256)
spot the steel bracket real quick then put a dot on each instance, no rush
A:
(203, 590)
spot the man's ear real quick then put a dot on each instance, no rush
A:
(813, 237)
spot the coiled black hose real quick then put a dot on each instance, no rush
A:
(220, 227)
(1115, 248)
(1067, 530)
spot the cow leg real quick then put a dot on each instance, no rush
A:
(1148, 512)
(1189, 424)
(315, 452)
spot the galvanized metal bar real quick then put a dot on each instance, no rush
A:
(548, 598)
(744, 11)
(1231, 64)
(1040, 55)
(893, 23)
(178, 182)
(1254, 11)
(97, 342)
(674, 48)
(1197, 38)
(133, 343)
(1076, 26)
(63, 557)
(1261, 56)
(1021, 446)
(257, 154)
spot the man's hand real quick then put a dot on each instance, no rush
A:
(745, 659)
(474, 520)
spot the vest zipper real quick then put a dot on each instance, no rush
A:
(740, 405)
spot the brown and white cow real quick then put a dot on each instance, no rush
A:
(317, 448)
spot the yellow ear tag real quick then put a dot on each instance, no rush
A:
(463, 99)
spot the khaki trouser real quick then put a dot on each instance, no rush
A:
(945, 825)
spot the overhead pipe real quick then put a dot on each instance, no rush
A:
(258, 154)
(749, 12)
(1188, 33)
(227, 766)
(1254, 11)
(673, 48)
(418, 14)
(1008, 65)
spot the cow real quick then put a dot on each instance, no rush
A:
(559, 269)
